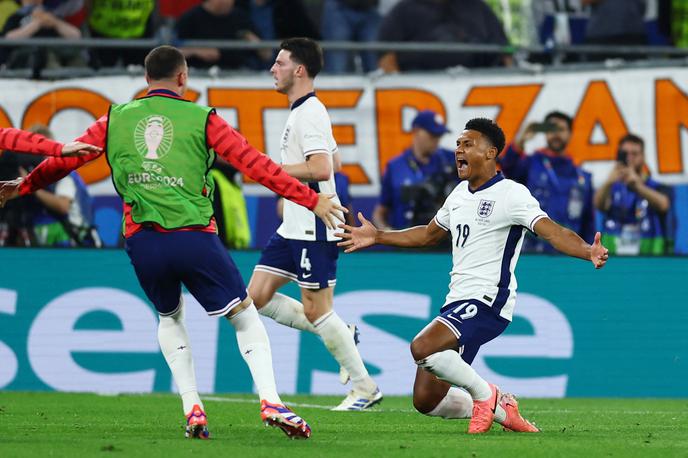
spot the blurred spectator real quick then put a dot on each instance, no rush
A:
(350, 20)
(175, 8)
(279, 19)
(616, 22)
(560, 22)
(563, 189)
(229, 206)
(341, 183)
(516, 17)
(64, 214)
(7, 8)
(417, 182)
(218, 20)
(678, 22)
(449, 21)
(635, 206)
(132, 19)
(16, 217)
(33, 20)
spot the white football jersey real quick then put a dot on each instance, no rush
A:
(308, 131)
(487, 227)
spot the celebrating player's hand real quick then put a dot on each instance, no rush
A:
(79, 149)
(357, 238)
(329, 211)
(598, 253)
(9, 190)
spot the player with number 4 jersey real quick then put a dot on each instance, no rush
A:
(303, 250)
(486, 216)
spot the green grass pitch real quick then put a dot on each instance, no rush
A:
(58, 424)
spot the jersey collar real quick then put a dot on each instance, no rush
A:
(163, 92)
(495, 179)
(300, 101)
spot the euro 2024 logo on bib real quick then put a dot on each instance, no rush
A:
(153, 137)
(485, 208)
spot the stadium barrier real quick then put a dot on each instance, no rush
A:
(76, 320)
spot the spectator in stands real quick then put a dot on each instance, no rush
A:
(416, 182)
(218, 20)
(33, 20)
(279, 19)
(7, 8)
(64, 214)
(516, 17)
(350, 20)
(229, 206)
(636, 208)
(616, 22)
(16, 217)
(462, 21)
(563, 189)
(131, 19)
(560, 22)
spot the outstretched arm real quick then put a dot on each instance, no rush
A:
(568, 242)
(229, 144)
(365, 235)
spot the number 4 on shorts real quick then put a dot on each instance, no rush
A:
(305, 262)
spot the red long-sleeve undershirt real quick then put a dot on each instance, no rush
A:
(22, 141)
(221, 137)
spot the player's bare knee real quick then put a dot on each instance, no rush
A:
(421, 348)
(422, 403)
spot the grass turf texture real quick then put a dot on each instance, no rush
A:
(59, 424)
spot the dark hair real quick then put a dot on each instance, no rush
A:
(489, 129)
(633, 139)
(306, 52)
(559, 115)
(163, 62)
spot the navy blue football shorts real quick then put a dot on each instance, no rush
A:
(163, 261)
(311, 264)
(473, 323)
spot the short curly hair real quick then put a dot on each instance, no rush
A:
(489, 129)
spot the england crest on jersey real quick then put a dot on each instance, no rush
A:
(485, 208)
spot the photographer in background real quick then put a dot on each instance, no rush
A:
(416, 182)
(64, 214)
(563, 189)
(16, 217)
(636, 208)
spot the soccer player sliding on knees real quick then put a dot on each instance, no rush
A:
(486, 216)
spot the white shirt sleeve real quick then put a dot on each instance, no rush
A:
(524, 208)
(313, 131)
(442, 216)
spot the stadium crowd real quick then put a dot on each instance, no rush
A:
(513, 22)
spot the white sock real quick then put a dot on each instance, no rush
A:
(459, 404)
(254, 346)
(287, 311)
(338, 340)
(176, 348)
(456, 404)
(447, 365)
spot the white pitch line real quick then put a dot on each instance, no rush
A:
(300, 404)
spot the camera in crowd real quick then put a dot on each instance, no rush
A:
(425, 198)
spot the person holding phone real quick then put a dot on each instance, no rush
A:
(563, 189)
(636, 208)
